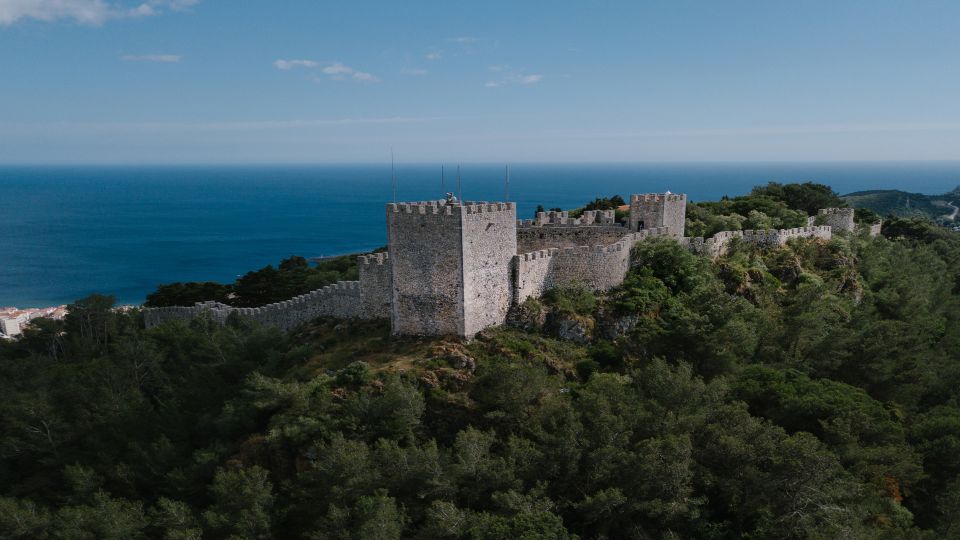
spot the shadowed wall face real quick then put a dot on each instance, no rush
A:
(426, 254)
(489, 246)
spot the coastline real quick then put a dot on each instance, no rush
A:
(13, 319)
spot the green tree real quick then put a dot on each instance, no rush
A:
(242, 500)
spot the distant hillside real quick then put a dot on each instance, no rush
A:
(939, 208)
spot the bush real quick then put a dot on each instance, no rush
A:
(571, 300)
(355, 374)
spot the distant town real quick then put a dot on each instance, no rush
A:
(12, 320)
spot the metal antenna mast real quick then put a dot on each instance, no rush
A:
(393, 176)
(506, 183)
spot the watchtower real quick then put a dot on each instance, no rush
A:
(450, 265)
(652, 210)
(839, 219)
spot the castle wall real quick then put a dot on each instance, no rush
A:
(719, 244)
(839, 219)
(341, 300)
(874, 229)
(426, 260)
(534, 238)
(376, 284)
(598, 268)
(489, 245)
(654, 210)
(589, 217)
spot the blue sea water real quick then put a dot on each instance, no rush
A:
(66, 232)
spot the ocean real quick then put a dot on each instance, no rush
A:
(66, 232)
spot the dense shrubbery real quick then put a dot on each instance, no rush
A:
(292, 277)
(774, 206)
(809, 391)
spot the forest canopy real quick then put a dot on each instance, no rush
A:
(804, 391)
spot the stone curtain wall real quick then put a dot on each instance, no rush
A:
(589, 217)
(534, 238)
(376, 284)
(426, 261)
(489, 246)
(598, 267)
(874, 229)
(341, 300)
(653, 210)
(719, 244)
(840, 219)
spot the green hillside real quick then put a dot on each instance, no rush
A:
(936, 208)
(805, 391)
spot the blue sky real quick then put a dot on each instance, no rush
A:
(204, 81)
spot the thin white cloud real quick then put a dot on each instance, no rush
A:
(340, 72)
(163, 58)
(93, 12)
(280, 63)
(413, 71)
(507, 76)
(336, 71)
(463, 39)
(434, 55)
(364, 77)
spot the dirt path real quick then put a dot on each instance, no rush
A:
(953, 216)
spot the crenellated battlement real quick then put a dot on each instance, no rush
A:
(562, 218)
(838, 211)
(341, 300)
(455, 268)
(373, 258)
(719, 244)
(424, 207)
(442, 207)
(658, 197)
(485, 207)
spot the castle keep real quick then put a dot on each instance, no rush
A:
(454, 268)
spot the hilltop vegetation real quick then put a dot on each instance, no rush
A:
(292, 277)
(891, 202)
(808, 391)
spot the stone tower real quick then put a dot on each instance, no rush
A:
(653, 210)
(839, 219)
(450, 265)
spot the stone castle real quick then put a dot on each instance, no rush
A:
(454, 268)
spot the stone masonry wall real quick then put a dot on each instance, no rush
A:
(489, 245)
(653, 210)
(376, 284)
(341, 300)
(562, 217)
(534, 238)
(840, 219)
(599, 267)
(426, 261)
(719, 244)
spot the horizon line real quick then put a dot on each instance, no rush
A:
(477, 162)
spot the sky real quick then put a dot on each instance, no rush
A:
(252, 81)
